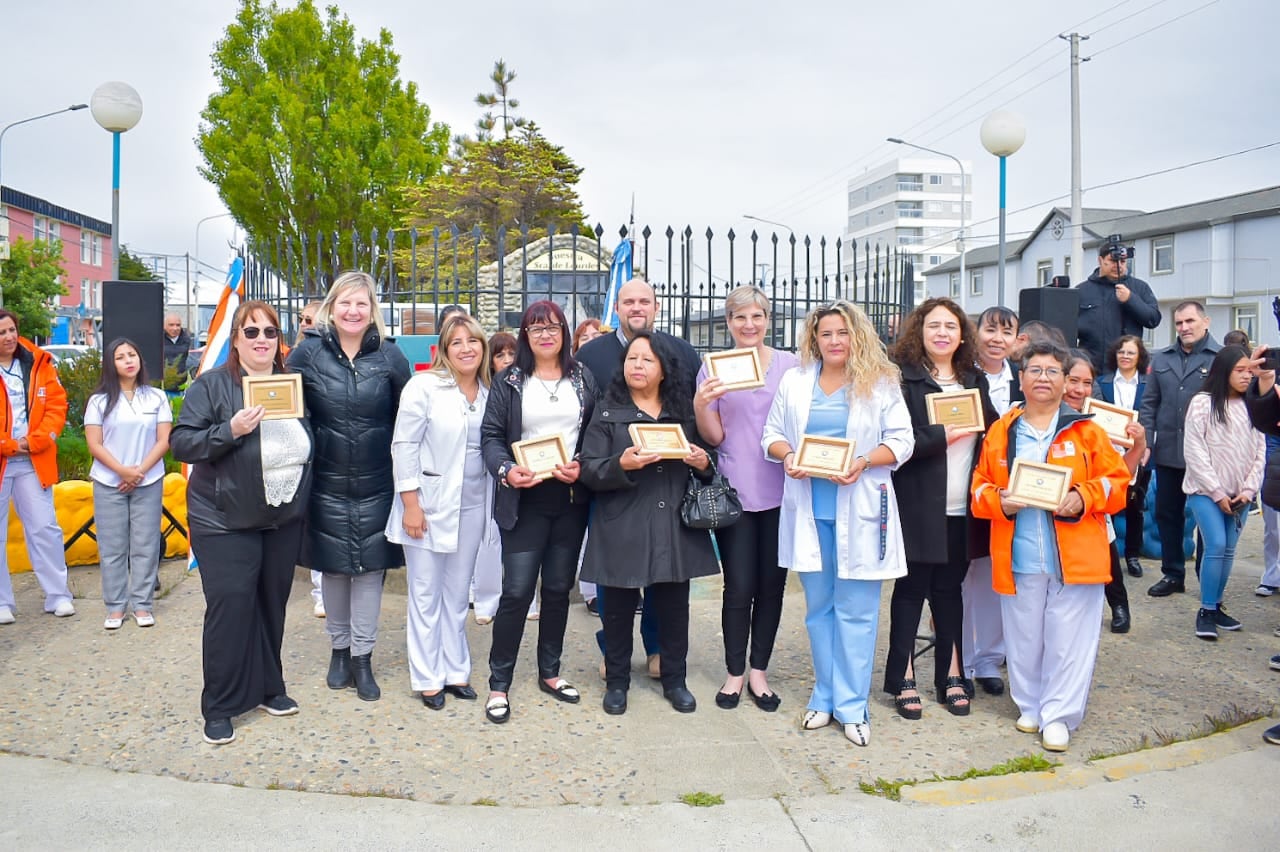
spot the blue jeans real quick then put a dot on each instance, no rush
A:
(1220, 532)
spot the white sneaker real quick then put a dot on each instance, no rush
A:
(113, 622)
(858, 733)
(6, 615)
(64, 609)
(1027, 725)
(812, 720)
(1056, 737)
(318, 609)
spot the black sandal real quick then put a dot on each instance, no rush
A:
(954, 707)
(908, 706)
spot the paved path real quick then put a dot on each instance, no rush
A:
(129, 701)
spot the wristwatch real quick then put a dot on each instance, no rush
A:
(866, 459)
(503, 470)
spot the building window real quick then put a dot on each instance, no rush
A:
(954, 283)
(1162, 256)
(1245, 318)
(97, 250)
(86, 243)
(1066, 267)
(975, 282)
(935, 180)
(1044, 273)
(910, 210)
(910, 183)
(44, 230)
(86, 288)
(935, 259)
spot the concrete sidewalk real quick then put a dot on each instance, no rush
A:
(129, 701)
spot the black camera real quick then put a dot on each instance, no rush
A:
(1115, 248)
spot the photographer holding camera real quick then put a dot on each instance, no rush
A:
(1112, 303)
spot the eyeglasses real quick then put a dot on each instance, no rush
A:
(250, 332)
(306, 320)
(1047, 372)
(544, 330)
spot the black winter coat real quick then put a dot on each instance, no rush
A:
(1103, 317)
(353, 413)
(502, 426)
(225, 491)
(1175, 377)
(921, 483)
(1264, 412)
(637, 538)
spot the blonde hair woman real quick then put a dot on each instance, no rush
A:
(352, 376)
(443, 507)
(841, 535)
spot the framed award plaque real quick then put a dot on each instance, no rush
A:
(664, 439)
(737, 369)
(280, 394)
(541, 455)
(961, 409)
(1113, 419)
(824, 457)
(1041, 486)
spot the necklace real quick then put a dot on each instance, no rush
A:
(553, 390)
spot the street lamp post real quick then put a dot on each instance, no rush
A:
(960, 237)
(1002, 133)
(5, 129)
(196, 329)
(117, 108)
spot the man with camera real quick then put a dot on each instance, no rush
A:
(1112, 303)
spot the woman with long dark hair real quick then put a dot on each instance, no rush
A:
(638, 540)
(1123, 382)
(936, 352)
(126, 425)
(246, 498)
(546, 392)
(1225, 457)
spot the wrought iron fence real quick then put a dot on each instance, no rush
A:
(418, 273)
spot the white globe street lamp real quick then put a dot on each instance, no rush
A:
(117, 108)
(1002, 134)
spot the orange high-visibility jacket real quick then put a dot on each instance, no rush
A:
(46, 412)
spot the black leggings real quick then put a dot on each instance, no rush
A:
(753, 589)
(939, 584)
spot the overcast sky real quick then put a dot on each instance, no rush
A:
(705, 111)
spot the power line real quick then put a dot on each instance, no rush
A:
(1153, 29)
(1128, 16)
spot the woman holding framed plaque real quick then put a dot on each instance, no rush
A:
(840, 530)
(950, 410)
(352, 376)
(754, 582)
(246, 498)
(637, 541)
(531, 436)
(1049, 565)
(1226, 458)
(1123, 383)
(442, 511)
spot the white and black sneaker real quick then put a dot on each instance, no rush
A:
(280, 705)
(1224, 621)
(218, 731)
(1207, 625)
(1265, 591)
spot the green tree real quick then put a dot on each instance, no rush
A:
(311, 131)
(499, 97)
(133, 269)
(32, 280)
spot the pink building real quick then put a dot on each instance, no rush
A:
(86, 254)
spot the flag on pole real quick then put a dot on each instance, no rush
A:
(218, 345)
(619, 273)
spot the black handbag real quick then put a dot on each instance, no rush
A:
(710, 505)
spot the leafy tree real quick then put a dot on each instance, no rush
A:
(133, 269)
(32, 280)
(311, 131)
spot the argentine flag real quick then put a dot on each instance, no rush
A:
(619, 274)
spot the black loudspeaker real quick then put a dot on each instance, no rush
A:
(1053, 306)
(135, 309)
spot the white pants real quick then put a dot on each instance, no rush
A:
(587, 590)
(438, 587)
(982, 636)
(1270, 547)
(317, 596)
(1051, 633)
(40, 529)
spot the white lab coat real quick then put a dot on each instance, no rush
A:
(428, 448)
(883, 419)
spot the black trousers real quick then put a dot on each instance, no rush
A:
(544, 542)
(1135, 514)
(671, 605)
(246, 577)
(753, 589)
(1115, 591)
(1171, 508)
(939, 584)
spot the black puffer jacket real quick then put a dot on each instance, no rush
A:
(1264, 412)
(353, 412)
(225, 491)
(1103, 317)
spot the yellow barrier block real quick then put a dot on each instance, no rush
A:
(73, 503)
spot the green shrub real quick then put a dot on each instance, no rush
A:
(74, 460)
(79, 376)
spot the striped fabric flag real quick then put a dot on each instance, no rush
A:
(219, 343)
(619, 274)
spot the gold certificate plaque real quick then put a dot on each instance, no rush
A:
(280, 395)
(1042, 486)
(1113, 419)
(737, 369)
(961, 409)
(663, 439)
(541, 455)
(824, 457)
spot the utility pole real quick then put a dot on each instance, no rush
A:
(1077, 271)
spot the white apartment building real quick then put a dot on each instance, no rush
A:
(912, 204)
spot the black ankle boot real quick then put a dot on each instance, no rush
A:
(362, 671)
(340, 669)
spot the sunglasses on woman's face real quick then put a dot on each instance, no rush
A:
(250, 332)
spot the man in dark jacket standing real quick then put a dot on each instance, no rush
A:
(177, 345)
(1112, 303)
(1177, 372)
